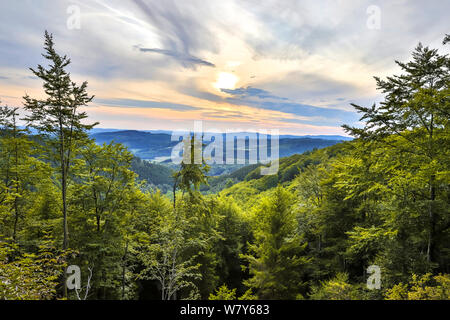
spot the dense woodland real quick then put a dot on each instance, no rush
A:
(308, 232)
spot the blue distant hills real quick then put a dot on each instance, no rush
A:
(324, 137)
(156, 145)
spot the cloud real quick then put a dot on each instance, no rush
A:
(132, 103)
(327, 88)
(302, 112)
(252, 92)
(186, 60)
(181, 26)
(297, 29)
(298, 57)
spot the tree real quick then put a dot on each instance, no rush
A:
(413, 120)
(233, 233)
(223, 293)
(30, 276)
(103, 198)
(20, 170)
(336, 288)
(276, 260)
(446, 39)
(10, 160)
(164, 249)
(191, 174)
(58, 117)
(425, 287)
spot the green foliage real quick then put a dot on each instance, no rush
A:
(164, 251)
(156, 175)
(413, 122)
(337, 288)
(276, 260)
(223, 293)
(58, 118)
(30, 276)
(308, 232)
(425, 287)
(20, 173)
(101, 211)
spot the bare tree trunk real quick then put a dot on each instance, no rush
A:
(174, 195)
(16, 218)
(16, 198)
(432, 226)
(432, 222)
(124, 259)
(63, 194)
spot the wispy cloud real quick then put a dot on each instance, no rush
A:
(132, 103)
(186, 60)
(252, 92)
(181, 26)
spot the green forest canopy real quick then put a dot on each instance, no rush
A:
(308, 232)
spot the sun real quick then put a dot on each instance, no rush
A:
(225, 80)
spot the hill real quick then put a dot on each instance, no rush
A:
(158, 146)
(289, 168)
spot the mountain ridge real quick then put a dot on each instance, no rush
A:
(157, 145)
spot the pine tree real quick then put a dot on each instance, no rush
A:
(446, 39)
(277, 259)
(191, 174)
(58, 118)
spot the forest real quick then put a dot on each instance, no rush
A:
(311, 231)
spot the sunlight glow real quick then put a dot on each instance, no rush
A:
(225, 80)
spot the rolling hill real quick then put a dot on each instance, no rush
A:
(157, 146)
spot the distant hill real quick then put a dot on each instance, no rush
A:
(288, 136)
(145, 145)
(324, 137)
(158, 146)
(154, 174)
(289, 168)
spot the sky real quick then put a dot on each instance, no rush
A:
(240, 65)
